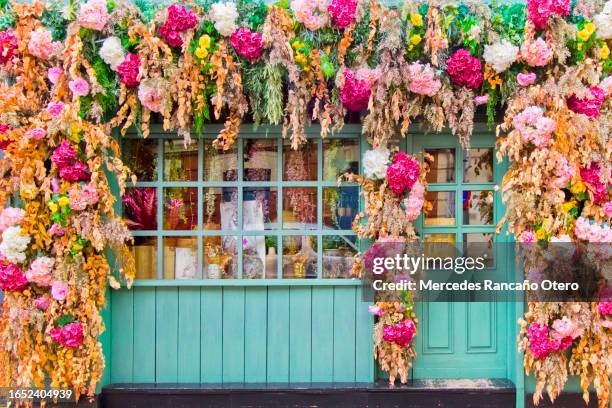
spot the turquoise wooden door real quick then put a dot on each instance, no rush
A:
(460, 339)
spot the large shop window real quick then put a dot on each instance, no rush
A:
(257, 211)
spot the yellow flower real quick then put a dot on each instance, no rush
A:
(63, 201)
(53, 207)
(415, 39)
(301, 59)
(201, 52)
(604, 52)
(589, 28)
(578, 187)
(410, 47)
(584, 35)
(567, 207)
(204, 41)
(297, 45)
(77, 247)
(540, 234)
(416, 20)
(579, 46)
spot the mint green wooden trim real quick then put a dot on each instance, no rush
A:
(188, 334)
(278, 335)
(256, 336)
(344, 328)
(248, 282)
(122, 336)
(144, 334)
(301, 343)
(233, 348)
(166, 335)
(105, 338)
(211, 329)
(323, 332)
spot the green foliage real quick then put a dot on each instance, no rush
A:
(252, 13)
(64, 320)
(509, 21)
(263, 83)
(53, 19)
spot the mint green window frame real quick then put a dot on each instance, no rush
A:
(247, 132)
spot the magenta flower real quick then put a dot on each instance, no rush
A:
(128, 70)
(400, 334)
(71, 335)
(248, 45)
(36, 133)
(79, 87)
(41, 303)
(355, 94)
(402, 173)
(376, 310)
(179, 19)
(592, 176)
(75, 172)
(540, 343)
(607, 209)
(526, 79)
(464, 70)
(11, 277)
(64, 155)
(588, 106)
(539, 11)
(376, 251)
(342, 12)
(55, 108)
(481, 99)
(8, 46)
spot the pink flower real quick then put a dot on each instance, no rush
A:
(41, 303)
(564, 172)
(534, 126)
(541, 345)
(79, 86)
(247, 44)
(80, 198)
(93, 14)
(78, 171)
(11, 216)
(55, 187)
(592, 176)
(539, 11)
(151, 93)
(342, 12)
(56, 229)
(376, 251)
(41, 44)
(605, 308)
(355, 94)
(128, 70)
(311, 13)
(64, 154)
(536, 53)
(481, 99)
(8, 46)
(5, 140)
(179, 19)
(36, 133)
(414, 202)
(54, 74)
(527, 237)
(11, 277)
(59, 290)
(41, 270)
(423, 79)
(376, 310)
(563, 328)
(403, 173)
(606, 85)
(526, 79)
(607, 209)
(464, 70)
(400, 334)
(55, 108)
(588, 106)
(71, 335)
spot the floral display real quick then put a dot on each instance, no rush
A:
(179, 19)
(355, 94)
(534, 126)
(93, 14)
(41, 44)
(375, 163)
(342, 12)
(400, 334)
(8, 45)
(464, 70)
(539, 11)
(501, 55)
(403, 173)
(128, 70)
(11, 277)
(590, 105)
(423, 80)
(111, 52)
(224, 15)
(248, 45)
(311, 13)
(70, 335)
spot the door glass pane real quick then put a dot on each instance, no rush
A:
(140, 208)
(220, 257)
(477, 207)
(340, 156)
(299, 257)
(300, 208)
(338, 256)
(443, 168)
(255, 257)
(180, 162)
(442, 212)
(478, 165)
(340, 206)
(180, 257)
(220, 165)
(141, 157)
(301, 164)
(440, 245)
(260, 160)
(259, 208)
(479, 244)
(144, 251)
(180, 208)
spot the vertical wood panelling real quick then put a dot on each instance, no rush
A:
(344, 334)
(364, 330)
(166, 335)
(189, 335)
(144, 335)
(278, 334)
(256, 336)
(122, 336)
(323, 334)
(300, 332)
(105, 338)
(233, 335)
(211, 351)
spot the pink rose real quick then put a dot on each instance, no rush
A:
(59, 290)
(536, 53)
(481, 99)
(41, 44)
(179, 19)
(400, 334)
(78, 171)
(41, 303)
(248, 45)
(64, 154)
(129, 70)
(71, 335)
(79, 86)
(36, 133)
(11, 216)
(55, 108)
(526, 79)
(54, 74)
(41, 270)
(607, 209)
(93, 14)
(423, 79)
(57, 229)
(464, 70)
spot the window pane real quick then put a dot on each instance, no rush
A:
(180, 162)
(141, 156)
(477, 207)
(338, 256)
(140, 208)
(255, 260)
(479, 244)
(301, 164)
(180, 208)
(340, 206)
(299, 257)
(220, 208)
(219, 165)
(259, 208)
(300, 208)
(443, 167)
(260, 160)
(340, 156)
(440, 245)
(144, 251)
(443, 208)
(180, 257)
(220, 257)
(478, 166)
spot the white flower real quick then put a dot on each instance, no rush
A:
(14, 244)
(112, 52)
(375, 163)
(603, 22)
(224, 15)
(500, 55)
